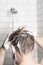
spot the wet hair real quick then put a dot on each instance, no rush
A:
(25, 40)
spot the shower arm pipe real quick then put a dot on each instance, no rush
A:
(13, 11)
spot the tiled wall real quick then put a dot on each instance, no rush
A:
(26, 13)
(40, 25)
(3, 17)
(5, 29)
(26, 16)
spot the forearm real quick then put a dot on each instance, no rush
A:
(2, 55)
(39, 40)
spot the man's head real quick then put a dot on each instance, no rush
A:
(25, 40)
(22, 42)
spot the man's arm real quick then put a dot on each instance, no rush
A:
(39, 40)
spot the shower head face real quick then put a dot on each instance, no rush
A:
(13, 11)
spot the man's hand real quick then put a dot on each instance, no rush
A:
(39, 40)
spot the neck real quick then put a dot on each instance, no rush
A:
(28, 59)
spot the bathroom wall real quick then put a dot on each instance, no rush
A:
(5, 29)
(40, 25)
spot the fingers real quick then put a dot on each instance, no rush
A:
(39, 40)
(6, 43)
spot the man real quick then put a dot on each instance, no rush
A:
(23, 47)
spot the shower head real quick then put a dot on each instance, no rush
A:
(13, 11)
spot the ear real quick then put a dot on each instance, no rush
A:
(18, 57)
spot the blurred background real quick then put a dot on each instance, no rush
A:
(16, 13)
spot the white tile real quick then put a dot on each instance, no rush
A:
(40, 31)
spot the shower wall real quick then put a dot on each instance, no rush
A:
(40, 26)
(26, 16)
(5, 29)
